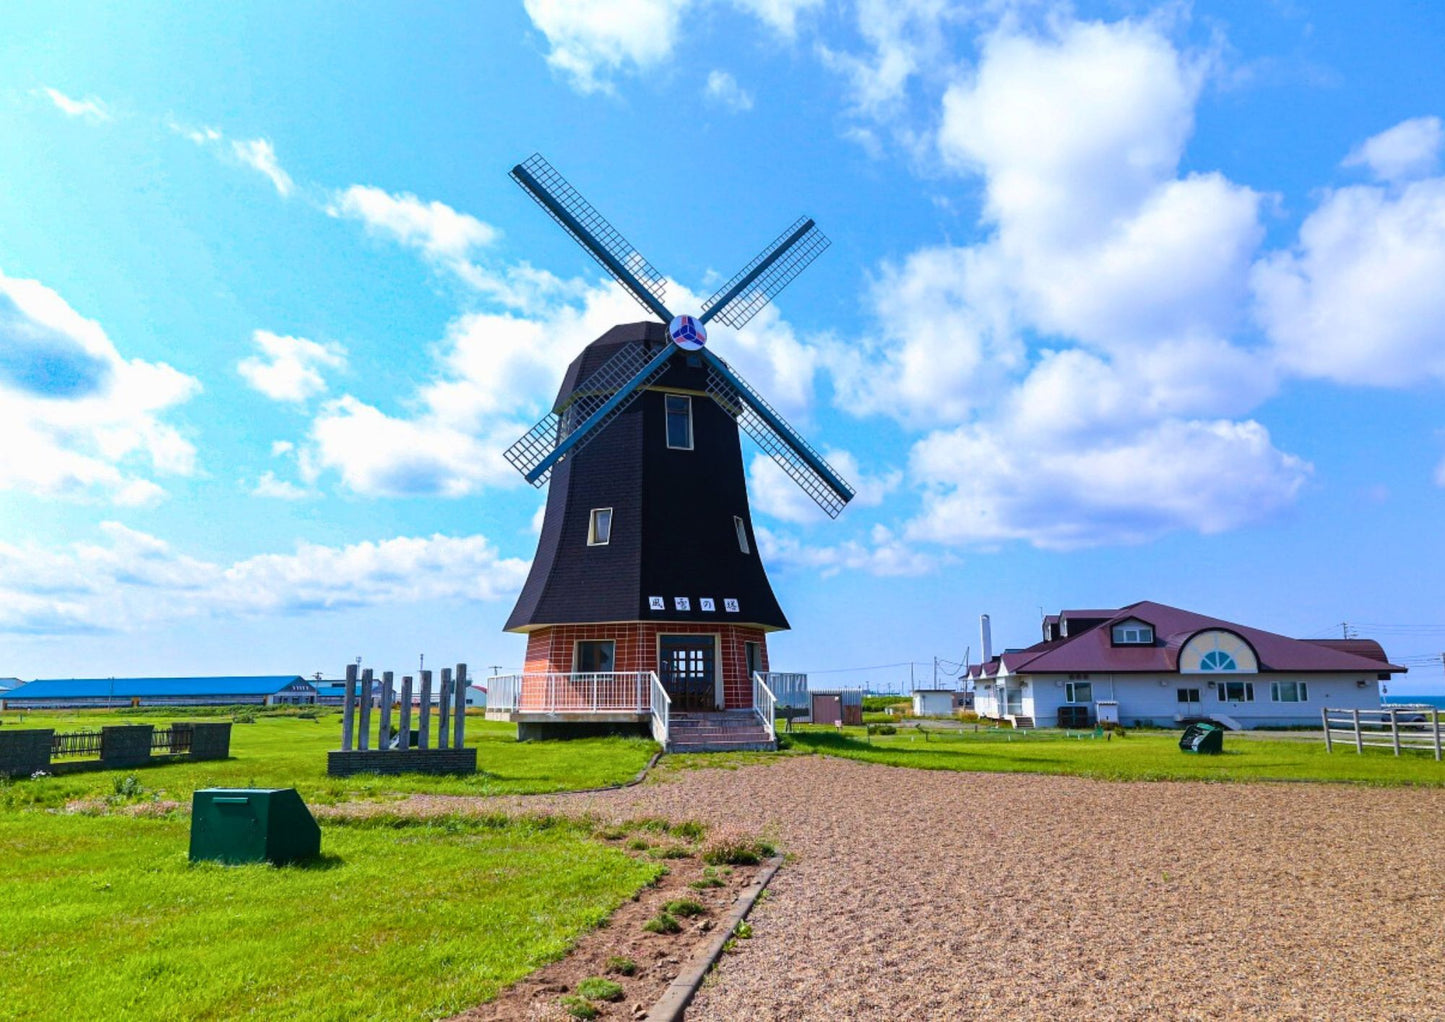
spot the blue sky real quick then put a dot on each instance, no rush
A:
(1124, 301)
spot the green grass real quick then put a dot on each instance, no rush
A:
(290, 752)
(104, 918)
(1135, 757)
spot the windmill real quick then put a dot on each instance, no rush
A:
(647, 559)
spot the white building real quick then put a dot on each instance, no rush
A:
(929, 702)
(1164, 666)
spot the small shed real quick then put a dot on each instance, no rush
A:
(933, 702)
(843, 705)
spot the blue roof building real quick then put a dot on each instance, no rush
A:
(74, 693)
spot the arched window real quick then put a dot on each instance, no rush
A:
(1217, 660)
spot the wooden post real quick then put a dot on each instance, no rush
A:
(363, 737)
(383, 740)
(405, 725)
(459, 719)
(424, 740)
(444, 706)
(1395, 730)
(1359, 738)
(1437, 736)
(348, 707)
(1325, 719)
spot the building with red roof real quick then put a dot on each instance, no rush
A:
(1162, 666)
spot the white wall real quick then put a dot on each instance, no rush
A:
(1153, 698)
(933, 704)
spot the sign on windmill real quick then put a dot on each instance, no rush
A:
(647, 563)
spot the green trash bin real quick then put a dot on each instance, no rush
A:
(1203, 738)
(235, 825)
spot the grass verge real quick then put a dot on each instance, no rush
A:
(1140, 756)
(105, 918)
(290, 752)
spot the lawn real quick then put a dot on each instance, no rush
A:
(1137, 756)
(105, 918)
(290, 752)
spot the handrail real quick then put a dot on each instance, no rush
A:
(765, 705)
(661, 710)
(574, 692)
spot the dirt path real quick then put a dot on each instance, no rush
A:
(934, 895)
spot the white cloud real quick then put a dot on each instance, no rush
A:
(88, 109)
(592, 40)
(723, 89)
(904, 39)
(81, 420)
(1359, 298)
(988, 484)
(881, 554)
(260, 155)
(773, 492)
(280, 489)
(289, 368)
(133, 579)
(433, 228)
(1411, 149)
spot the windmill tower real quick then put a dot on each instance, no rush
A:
(647, 561)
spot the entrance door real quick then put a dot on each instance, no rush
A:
(1189, 702)
(686, 666)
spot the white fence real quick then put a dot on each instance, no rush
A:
(1392, 727)
(595, 692)
(661, 710)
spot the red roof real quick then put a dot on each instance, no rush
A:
(1094, 650)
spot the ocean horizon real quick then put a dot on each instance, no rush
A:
(1429, 700)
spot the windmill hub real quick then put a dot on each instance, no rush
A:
(687, 332)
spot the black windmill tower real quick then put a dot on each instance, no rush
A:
(647, 559)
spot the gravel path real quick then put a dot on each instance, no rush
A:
(936, 895)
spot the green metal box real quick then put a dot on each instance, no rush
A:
(236, 825)
(1203, 738)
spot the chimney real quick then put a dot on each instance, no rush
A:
(987, 636)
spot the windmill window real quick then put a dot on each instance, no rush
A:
(594, 657)
(679, 422)
(742, 531)
(599, 529)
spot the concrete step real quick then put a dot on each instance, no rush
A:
(723, 746)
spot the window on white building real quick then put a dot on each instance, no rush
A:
(599, 528)
(1289, 691)
(1079, 692)
(1217, 660)
(1236, 691)
(1188, 695)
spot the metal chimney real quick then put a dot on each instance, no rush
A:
(987, 635)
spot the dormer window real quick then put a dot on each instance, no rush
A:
(599, 527)
(1133, 633)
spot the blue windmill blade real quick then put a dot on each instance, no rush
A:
(590, 229)
(594, 403)
(772, 433)
(760, 281)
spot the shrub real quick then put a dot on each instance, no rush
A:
(128, 786)
(245, 717)
(967, 716)
(638, 845)
(578, 1007)
(882, 729)
(662, 923)
(599, 988)
(735, 849)
(622, 966)
(705, 883)
(689, 830)
(685, 907)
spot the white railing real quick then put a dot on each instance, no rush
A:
(593, 692)
(1394, 727)
(765, 705)
(661, 710)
